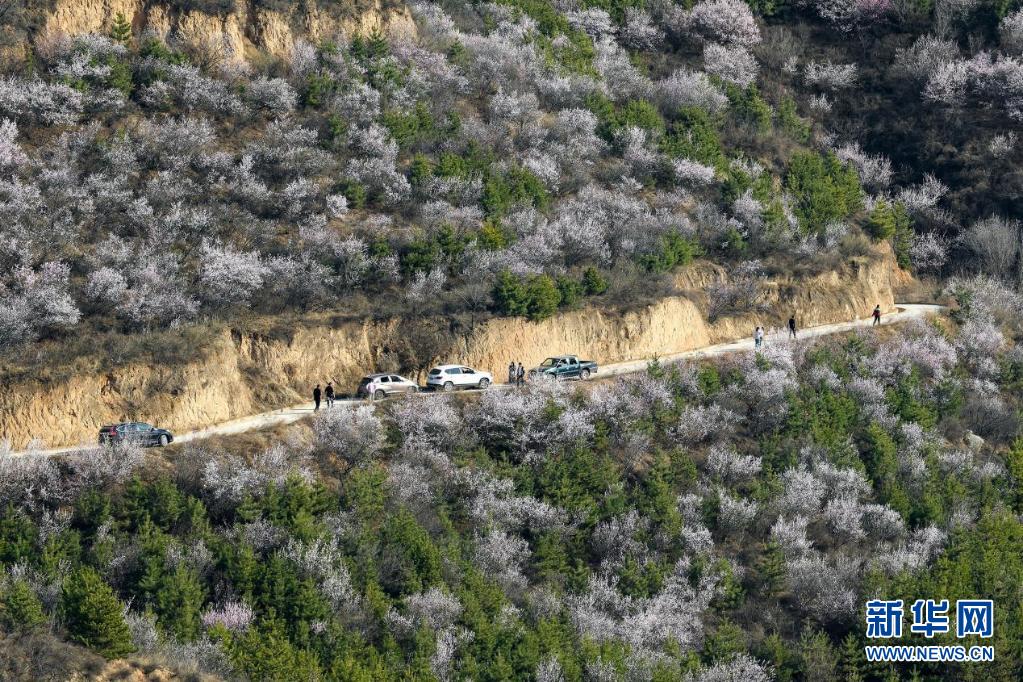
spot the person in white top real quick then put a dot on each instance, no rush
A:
(758, 338)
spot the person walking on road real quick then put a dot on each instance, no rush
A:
(329, 393)
(316, 398)
(511, 373)
(520, 375)
(877, 315)
(792, 327)
(758, 338)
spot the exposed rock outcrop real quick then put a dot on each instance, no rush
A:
(246, 27)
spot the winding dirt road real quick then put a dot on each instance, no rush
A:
(287, 415)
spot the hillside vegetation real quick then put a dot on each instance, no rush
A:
(723, 520)
(510, 159)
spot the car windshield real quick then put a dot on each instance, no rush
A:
(365, 380)
(549, 362)
(435, 371)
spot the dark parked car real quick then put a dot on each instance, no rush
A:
(565, 367)
(143, 433)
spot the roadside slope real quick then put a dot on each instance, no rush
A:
(294, 413)
(243, 373)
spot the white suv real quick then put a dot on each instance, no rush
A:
(450, 377)
(382, 385)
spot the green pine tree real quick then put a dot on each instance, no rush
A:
(850, 662)
(797, 128)
(241, 566)
(780, 654)
(18, 536)
(1014, 466)
(593, 282)
(93, 614)
(817, 656)
(376, 45)
(121, 30)
(179, 602)
(509, 294)
(731, 595)
(543, 297)
(772, 570)
(724, 643)
(420, 170)
(265, 653)
(550, 557)
(20, 608)
(824, 189)
(881, 224)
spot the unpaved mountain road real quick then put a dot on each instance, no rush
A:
(905, 311)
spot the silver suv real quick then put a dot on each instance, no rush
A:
(379, 386)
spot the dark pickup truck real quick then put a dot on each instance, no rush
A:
(565, 367)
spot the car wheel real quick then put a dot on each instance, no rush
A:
(584, 375)
(380, 394)
(163, 440)
(484, 383)
(448, 386)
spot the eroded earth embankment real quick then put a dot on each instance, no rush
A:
(235, 30)
(242, 373)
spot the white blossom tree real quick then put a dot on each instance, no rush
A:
(11, 154)
(1010, 33)
(732, 63)
(638, 31)
(684, 88)
(830, 76)
(996, 243)
(726, 22)
(924, 57)
(622, 78)
(37, 301)
(274, 95)
(727, 465)
(354, 433)
(740, 668)
(228, 276)
(38, 102)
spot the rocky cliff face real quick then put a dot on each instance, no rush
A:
(243, 373)
(245, 28)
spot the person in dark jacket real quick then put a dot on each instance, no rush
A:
(329, 393)
(877, 315)
(521, 375)
(316, 398)
(792, 326)
(511, 373)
